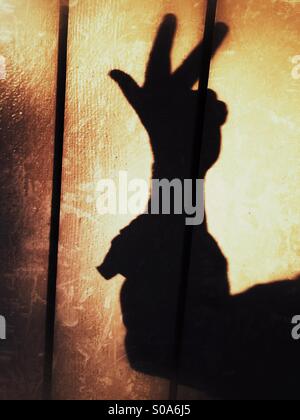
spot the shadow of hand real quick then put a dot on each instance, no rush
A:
(148, 252)
(167, 104)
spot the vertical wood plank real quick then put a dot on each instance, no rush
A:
(104, 136)
(261, 136)
(242, 344)
(28, 49)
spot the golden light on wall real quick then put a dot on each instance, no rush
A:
(252, 195)
(28, 55)
(103, 136)
(252, 192)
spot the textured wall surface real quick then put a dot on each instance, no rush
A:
(28, 45)
(104, 136)
(237, 334)
(252, 195)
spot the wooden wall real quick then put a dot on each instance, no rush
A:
(102, 137)
(251, 192)
(252, 256)
(249, 189)
(28, 44)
